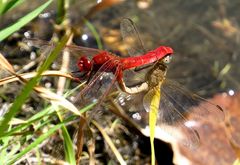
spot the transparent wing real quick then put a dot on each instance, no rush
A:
(74, 49)
(130, 36)
(178, 106)
(171, 121)
(188, 103)
(75, 52)
(135, 47)
(179, 110)
(98, 87)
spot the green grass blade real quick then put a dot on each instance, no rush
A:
(61, 11)
(27, 124)
(40, 140)
(14, 109)
(68, 145)
(6, 6)
(95, 33)
(23, 21)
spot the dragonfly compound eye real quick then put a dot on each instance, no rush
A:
(84, 64)
(167, 59)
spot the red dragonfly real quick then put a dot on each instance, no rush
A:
(93, 64)
(176, 102)
(103, 69)
(108, 62)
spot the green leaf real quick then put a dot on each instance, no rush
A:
(23, 21)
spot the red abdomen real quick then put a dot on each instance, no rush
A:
(147, 58)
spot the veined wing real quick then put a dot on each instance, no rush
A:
(74, 49)
(75, 52)
(99, 85)
(171, 121)
(188, 103)
(178, 106)
(137, 107)
(131, 36)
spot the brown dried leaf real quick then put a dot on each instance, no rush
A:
(56, 99)
(5, 64)
(32, 74)
(215, 145)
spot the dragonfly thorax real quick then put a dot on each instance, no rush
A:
(102, 58)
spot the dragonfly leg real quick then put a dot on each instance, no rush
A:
(130, 90)
(79, 77)
(91, 74)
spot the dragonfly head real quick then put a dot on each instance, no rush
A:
(84, 64)
(165, 53)
(167, 59)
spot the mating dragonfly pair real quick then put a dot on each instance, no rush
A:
(103, 69)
